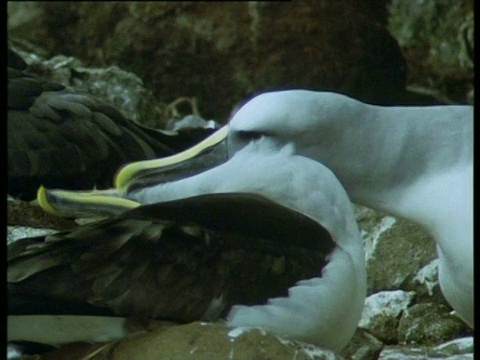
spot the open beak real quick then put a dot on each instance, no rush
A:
(76, 204)
(207, 154)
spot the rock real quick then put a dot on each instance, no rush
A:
(382, 311)
(22, 213)
(457, 346)
(419, 353)
(201, 341)
(385, 239)
(363, 346)
(426, 285)
(191, 121)
(19, 232)
(372, 225)
(437, 40)
(222, 53)
(428, 324)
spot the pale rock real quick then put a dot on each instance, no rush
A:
(363, 346)
(458, 346)
(428, 324)
(428, 276)
(385, 238)
(19, 232)
(419, 353)
(381, 313)
(426, 284)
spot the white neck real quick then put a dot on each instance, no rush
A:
(397, 149)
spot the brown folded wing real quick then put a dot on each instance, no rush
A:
(182, 260)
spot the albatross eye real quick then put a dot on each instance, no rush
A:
(239, 139)
(248, 136)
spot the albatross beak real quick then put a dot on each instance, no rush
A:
(83, 203)
(207, 154)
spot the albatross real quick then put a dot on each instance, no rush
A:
(412, 162)
(267, 239)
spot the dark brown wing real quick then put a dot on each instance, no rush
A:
(61, 138)
(238, 249)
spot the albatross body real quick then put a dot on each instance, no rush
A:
(411, 162)
(226, 243)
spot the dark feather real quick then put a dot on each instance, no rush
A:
(170, 260)
(62, 138)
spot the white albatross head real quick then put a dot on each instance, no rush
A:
(294, 116)
(323, 310)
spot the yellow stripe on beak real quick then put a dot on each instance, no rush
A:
(128, 172)
(83, 203)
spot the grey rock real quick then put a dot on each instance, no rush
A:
(428, 276)
(382, 311)
(363, 346)
(419, 353)
(395, 250)
(426, 285)
(428, 324)
(222, 53)
(458, 346)
(437, 40)
(191, 121)
(19, 232)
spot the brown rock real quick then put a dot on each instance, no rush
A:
(223, 52)
(437, 39)
(198, 341)
(21, 213)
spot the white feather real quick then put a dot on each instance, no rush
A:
(412, 162)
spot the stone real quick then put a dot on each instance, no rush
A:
(428, 324)
(458, 346)
(223, 53)
(419, 353)
(385, 238)
(200, 341)
(15, 233)
(363, 346)
(437, 40)
(23, 214)
(382, 311)
(426, 285)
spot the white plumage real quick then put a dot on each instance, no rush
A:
(412, 162)
(324, 311)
